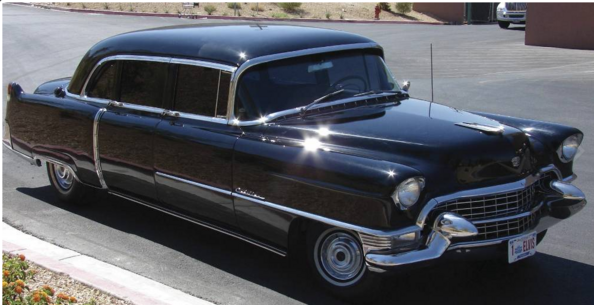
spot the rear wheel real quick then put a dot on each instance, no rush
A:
(338, 262)
(503, 24)
(68, 189)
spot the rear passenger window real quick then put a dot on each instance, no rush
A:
(142, 82)
(201, 91)
(103, 85)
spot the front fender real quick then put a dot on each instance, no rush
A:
(545, 137)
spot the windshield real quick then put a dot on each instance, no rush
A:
(291, 83)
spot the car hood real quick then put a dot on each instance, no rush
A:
(421, 135)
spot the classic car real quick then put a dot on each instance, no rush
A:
(293, 138)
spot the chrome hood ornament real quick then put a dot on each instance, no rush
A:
(490, 129)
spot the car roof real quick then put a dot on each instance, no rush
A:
(224, 43)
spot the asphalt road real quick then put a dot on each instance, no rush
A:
(476, 68)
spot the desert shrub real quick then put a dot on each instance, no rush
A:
(210, 9)
(328, 15)
(256, 8)
(234, 5)
(67, 3)
(341, 16)
(385, 6)
(280, 15)
(106, 6)
(83, 5)
(15, 275)
(404, 8)
(289, 6)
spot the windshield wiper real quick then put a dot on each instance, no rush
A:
(305, 108)
(398, 93)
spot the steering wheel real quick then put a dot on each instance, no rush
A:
(337, 84)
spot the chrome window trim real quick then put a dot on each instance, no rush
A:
(489, 190)
(83, 92)
(204, 64)
(192, 62)
(232, 120)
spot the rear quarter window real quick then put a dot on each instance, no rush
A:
(143, 82)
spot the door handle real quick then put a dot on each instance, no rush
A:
(116, 104)
(171, 113)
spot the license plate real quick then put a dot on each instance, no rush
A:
(521, 247)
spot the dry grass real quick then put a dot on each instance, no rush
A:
(348, 11)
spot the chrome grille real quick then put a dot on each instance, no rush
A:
(504, 228)
(516, 6)
(491, 206)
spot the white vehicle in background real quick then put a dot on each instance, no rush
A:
(511, 12)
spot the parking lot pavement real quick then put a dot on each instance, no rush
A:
(479, 68)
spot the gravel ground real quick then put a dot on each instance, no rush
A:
(65, 284)
(348, 11)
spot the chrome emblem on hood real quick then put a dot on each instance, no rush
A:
(484, 128)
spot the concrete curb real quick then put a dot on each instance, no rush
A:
(102, 276)
(207, 17)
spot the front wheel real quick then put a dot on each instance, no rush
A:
(503, 24)
(338, 262)
(68, 188)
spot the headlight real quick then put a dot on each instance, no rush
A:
(569, 147)
(408, 192)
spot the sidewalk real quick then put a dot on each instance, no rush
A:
(102, 276)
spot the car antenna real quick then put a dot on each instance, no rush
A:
(431, 55)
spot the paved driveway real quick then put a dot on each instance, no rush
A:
(476, 67)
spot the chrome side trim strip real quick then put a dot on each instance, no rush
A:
(329, 221)
(202, 118)
(332, 222)
(98, 116)
(204, 186)
(20, 154)
(205, 224)
(232, 119)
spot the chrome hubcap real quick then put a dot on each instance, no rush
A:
(63, 176)
(340, 257)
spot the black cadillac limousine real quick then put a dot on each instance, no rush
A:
(291, 138)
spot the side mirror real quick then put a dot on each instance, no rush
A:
(405, 85)
(59, 92)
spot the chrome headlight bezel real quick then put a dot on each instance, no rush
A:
(408, 192)
(569, 147)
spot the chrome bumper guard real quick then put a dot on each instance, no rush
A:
(448, 227)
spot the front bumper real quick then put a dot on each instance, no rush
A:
(514, 17)
(566, 201)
